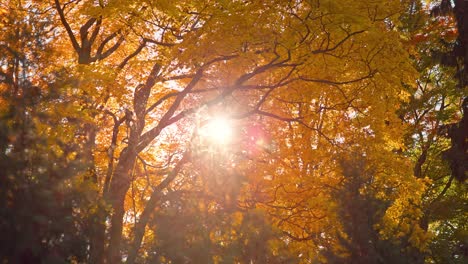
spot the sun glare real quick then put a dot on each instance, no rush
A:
(219, 130)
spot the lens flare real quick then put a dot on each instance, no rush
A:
(218, 130)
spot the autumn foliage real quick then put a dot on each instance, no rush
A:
(232, 132)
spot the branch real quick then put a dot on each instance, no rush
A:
(141, 95)
(111, 150)
(75, 44)
(324, 81)
(337, 44)
(167, 96)
(133, 54)
(160, 43)
(177, 77)
(161, 100)
(84, 29)
(154, 132)
(296, 238)
(111, 50)
(442, 193)
(103, 44)
(95, 31)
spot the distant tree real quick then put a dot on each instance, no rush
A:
(44, 196)
(360, 212)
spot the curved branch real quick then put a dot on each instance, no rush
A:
(337, 44)
(133, 54)
(95, 31)
(75, 44)
(99, 53)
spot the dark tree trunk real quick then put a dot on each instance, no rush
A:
(457, 155)
(119, 186)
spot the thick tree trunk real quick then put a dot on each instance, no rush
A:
(149, 208)
(119, 186)
(457, 155)
(98, 230)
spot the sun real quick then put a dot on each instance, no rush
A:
(218, 130)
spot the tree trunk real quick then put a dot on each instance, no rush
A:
(119, 186)
(98, 236)
(139, 231)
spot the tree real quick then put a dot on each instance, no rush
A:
(435, 116)
(43, 196)
(253, 63)
(303, 84)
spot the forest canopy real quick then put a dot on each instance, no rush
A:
(252, 131)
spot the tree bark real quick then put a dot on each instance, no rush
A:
(119, 186)
(98, 236)
(149, 208)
